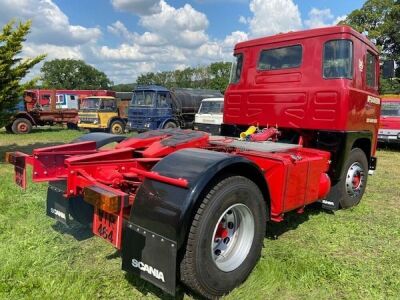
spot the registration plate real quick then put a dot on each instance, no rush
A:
(108, 226)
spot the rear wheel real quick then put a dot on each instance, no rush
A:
(117, 127)
(225, 238)
(170, 124)
(21, 126)
(349, 190)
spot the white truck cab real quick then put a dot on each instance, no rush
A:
(209, 116)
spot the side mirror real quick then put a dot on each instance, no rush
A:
(388, 69)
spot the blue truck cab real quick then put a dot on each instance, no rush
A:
(151, 108)
(154, 107)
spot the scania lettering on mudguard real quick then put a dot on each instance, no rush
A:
(150, 256)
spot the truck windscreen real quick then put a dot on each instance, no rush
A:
(143, 98)
(211, 107)
(391, 109)
(98, 104)
(90, 104)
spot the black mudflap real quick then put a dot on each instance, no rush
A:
(150, 256)
(67, 210)
(57, 205)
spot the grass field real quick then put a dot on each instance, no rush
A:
(349, 254)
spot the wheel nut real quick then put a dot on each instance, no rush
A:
(217, 252)
(226, 240)
(230, 225)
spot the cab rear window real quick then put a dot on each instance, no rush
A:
(280, 58)
(338, 59)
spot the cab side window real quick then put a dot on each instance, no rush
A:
(371, 70)
(338, 59)
(236, 70)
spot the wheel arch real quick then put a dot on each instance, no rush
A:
(24, 116)
(169, 210)
(113, 119)
(249, 170)
(365, 145)
(169, 119)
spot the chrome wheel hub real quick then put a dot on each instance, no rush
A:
(232, 237)
(355, 179)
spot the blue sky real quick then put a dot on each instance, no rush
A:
(125, 38)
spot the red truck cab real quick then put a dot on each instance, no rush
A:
(389, 131)
(320, 84)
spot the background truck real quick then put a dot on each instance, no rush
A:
(47, 107)
(209, 116)
(105, 113)
(154, 107)
(184, 205)
(389, 131)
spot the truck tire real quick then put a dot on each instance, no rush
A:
(21, 126)
(225, 238)
(117, 127)
(170, 124)
(350, 189)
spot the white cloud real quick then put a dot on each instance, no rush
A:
(339, 19)
(319, 18)
(49, 24)
(273, 16)
(139, 7)
(52, 51)
(123, 52)
(243, 20)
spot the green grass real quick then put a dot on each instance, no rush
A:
(351, 254)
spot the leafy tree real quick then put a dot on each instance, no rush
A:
(123, 87)
(381, 20)
(73, 74)
(13, 68)
(214, 76)
(219, 75)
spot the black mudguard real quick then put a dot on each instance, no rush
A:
(162, 214)
(101, 138)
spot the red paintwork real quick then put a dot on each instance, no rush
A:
(295, 177)
(300, 98)
(390, 122)
(42, 97)
(265, 135)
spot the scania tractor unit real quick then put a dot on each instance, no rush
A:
(300, 126)
(156, 107)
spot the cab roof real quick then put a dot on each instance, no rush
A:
(152, 87)
(304, 34)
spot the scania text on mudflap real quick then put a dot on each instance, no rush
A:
(299, 126)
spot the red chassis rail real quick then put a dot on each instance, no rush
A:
(109, 179)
